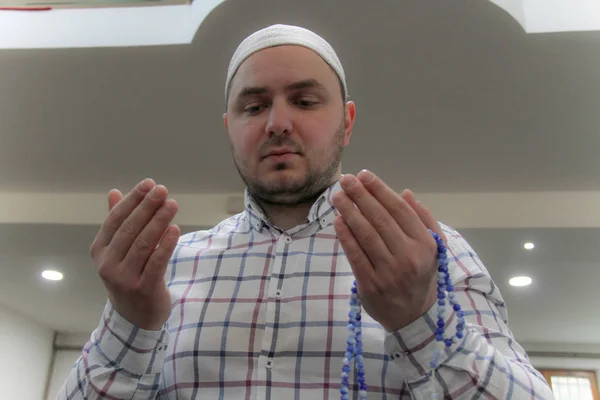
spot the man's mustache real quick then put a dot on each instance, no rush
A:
(277, 142)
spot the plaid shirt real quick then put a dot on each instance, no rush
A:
(258, 313)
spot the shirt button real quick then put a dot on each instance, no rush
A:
(278, 294)
(398, 355)
(269, 363)
(288, 239)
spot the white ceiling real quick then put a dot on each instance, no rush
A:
(451, 96)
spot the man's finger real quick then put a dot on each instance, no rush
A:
(114, 196)
(358, 260)
(424, 214)
(157, 263)
(146, 242)
(120, 211)
(365, 233)
(374, 212)
(135, 223)
(399, 209)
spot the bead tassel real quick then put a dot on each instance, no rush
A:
(354, 350)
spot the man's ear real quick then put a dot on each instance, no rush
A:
(225, 120)
(350, 111)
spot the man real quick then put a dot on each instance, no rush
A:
(257, 307)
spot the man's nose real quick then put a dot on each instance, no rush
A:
(280, 119)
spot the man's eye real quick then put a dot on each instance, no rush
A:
(253, 109)
(306, 103)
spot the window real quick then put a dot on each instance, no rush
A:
(43, 4)
(571, 384)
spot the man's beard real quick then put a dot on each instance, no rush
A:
(300, 190)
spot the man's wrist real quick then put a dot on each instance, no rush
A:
(397, 322)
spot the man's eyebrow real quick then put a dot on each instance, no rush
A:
(251, 91)
(305, 84)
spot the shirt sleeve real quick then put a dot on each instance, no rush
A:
(120, 361)
(487, 362)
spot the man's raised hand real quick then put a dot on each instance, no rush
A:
(131, 252)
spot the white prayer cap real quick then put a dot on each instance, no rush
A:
(279, 35)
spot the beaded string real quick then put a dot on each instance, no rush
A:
(354, 348)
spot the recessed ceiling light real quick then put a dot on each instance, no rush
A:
(529, 246)
(520, 281)
(52, 275)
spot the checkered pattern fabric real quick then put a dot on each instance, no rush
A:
(262, 314)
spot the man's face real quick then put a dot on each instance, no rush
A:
(287, 124)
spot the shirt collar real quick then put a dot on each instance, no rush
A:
(323, 211)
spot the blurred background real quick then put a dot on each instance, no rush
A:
(496, 129)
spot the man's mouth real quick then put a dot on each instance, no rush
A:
(277, 157)
(280, 154)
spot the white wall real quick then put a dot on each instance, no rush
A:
(63, 361)
(25, 356)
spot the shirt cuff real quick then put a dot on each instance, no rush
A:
(414, 346)
(135, 350)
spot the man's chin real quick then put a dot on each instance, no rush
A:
(282, 190)
(288, 192)
(284, 178)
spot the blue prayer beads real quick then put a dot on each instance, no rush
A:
(354, 348)
(445, 290)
